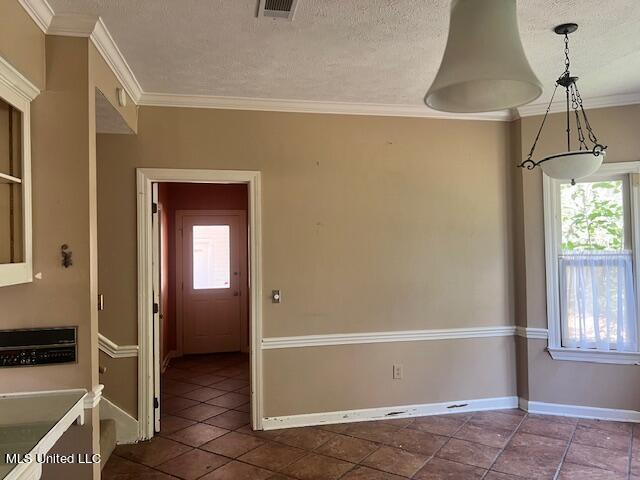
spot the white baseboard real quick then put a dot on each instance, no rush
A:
(580, 411)
(386, 413)
(126, 425)
(165, 363)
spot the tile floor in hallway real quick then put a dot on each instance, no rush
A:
(205, 435)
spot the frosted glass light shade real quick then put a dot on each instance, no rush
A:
(484, 67)
(572, 165)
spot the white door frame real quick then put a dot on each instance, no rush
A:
(180, 215)
(145, 178)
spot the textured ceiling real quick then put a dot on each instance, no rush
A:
(364, 51)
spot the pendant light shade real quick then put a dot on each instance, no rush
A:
(484, 67)
(573, 165)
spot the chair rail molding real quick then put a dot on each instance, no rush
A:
(535, 333)
(385, 337)
(114, 350)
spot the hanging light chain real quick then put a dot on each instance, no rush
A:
(567, 61)
(592, 135)
(575, 105)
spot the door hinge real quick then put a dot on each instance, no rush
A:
(156, 308)
(154, 208)
(156, 403)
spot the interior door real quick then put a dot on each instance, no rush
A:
(211, 283)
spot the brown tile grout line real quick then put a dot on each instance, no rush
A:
(515, 430)
(566, 450)
(633, 431)
(380, 444)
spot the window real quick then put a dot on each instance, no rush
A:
(592, 285)
(211, 257)
(16, 94)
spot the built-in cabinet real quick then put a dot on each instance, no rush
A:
(16, 94)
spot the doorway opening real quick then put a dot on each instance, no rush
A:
(199, 253)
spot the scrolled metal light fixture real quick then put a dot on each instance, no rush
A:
(571, 164)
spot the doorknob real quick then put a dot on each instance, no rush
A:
(235, 294)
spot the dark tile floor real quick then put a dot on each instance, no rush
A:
(205, 435)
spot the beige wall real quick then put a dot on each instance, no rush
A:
(611, 386)
(60, 152)
(346, 377)
(369, 224)
(22, 43)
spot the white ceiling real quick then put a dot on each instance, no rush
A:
(362, 51)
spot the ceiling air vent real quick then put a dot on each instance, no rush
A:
(277, 8)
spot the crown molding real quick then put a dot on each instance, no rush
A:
(72, 25)
(17, 82)
(94, 28)
(310, 106)
(591, 104)
(40, 11)
(109, 50)
(91, 26)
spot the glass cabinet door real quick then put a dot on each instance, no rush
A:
(16, 94)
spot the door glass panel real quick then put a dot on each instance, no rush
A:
(211, 257)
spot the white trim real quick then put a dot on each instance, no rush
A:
(114, 350)
(309, 106)
(535, 333)
(16, 82)
(72, 25)
(592, 104)
(146, 363)
(40, 11)
(580, 411)
(594, 356)
(552, 231)
(109, 50)
(92, 399)
(385, 337)
(386, 413)
(126, 426)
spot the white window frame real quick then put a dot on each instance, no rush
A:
(552, 238)
(18, 91)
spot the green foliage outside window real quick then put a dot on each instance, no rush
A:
(593, 216)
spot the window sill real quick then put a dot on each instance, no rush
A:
(594, 356)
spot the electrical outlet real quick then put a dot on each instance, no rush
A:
(397, 372)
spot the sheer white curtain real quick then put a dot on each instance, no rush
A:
(597, 304)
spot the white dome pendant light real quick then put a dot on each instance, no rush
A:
(484, 67)
(571, 164)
